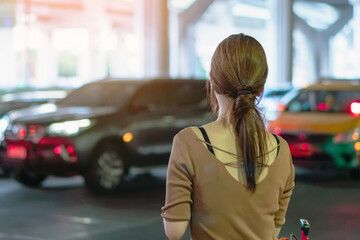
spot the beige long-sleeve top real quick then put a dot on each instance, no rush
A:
(200, 189)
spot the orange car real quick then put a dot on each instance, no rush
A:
(321, 124)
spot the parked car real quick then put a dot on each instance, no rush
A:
(21, 98)
(321, 124)
(102, 129)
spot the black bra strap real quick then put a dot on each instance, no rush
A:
(207, 140)
(278, 143)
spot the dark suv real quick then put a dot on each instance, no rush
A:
(102, 129)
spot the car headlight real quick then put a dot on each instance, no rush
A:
(348, 137)
(68, 128)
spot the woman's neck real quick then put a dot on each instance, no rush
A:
(225, 108)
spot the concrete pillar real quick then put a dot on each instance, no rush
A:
(311, 40)
(281, 36)
(98, 58)
(187, 56)
(93, 63)
(139, 31)
(156, 38)
(8, 64)
(322, 56)
(46, 71)
(174, 45)
(356, 29)
(186, 37)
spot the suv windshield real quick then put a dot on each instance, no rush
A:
(323, 101)
(102, 94)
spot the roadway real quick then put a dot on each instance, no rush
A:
(62, 209)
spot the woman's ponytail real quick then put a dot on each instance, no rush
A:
(239, 71)
(251, 134)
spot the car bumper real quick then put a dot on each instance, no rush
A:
(50, 158)
(328, 155)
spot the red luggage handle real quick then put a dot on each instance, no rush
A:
(305, 228)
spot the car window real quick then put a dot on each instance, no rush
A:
(167, 95)
(101, 94)
(190, 94)
(323, 101)
(152, 97)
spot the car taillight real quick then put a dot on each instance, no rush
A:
(62, 147)
(322, 107)
(32, 130)
(22, 133)
(355, 108)
(57, 150)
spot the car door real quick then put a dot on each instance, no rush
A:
(149, 118)
(190, 104)
(158, 111)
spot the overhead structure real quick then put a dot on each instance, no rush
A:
(319, 36)
(183, 37)
(152, 38)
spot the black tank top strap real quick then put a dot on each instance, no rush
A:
(207, 140)
(278, 143)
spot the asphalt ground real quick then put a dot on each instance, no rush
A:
(63, 209)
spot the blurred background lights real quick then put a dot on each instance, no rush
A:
(131, 42)
(355, 108)
(108, 41)
(182, 4)
(317, 15)
(357, 146)
(251, 11)
(77, 43)
(128, 137)
(355, 136)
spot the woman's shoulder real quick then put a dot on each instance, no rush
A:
(284, 153)
(187, 133)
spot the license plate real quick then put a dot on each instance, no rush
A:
(18, 152)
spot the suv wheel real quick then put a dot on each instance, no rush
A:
(107, 170)
(28, 178)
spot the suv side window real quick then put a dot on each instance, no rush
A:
(190, 94)
(152, 97)
(169, 95)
